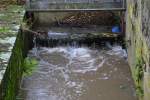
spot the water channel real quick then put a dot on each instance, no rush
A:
(73, 72)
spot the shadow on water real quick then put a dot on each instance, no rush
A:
(73, 72)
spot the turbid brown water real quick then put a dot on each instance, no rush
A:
(78, 73)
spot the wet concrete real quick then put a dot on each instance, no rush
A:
(78, 73)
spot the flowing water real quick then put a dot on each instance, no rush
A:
(78, 73)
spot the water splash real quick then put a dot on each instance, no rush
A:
(68, 73)
(57, 35)
(117, 50)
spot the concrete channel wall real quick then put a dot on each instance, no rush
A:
(137, 38)
(13, 74)
(10, 18)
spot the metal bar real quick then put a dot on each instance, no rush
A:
(124, 3)
(70, 10)
(73, 2)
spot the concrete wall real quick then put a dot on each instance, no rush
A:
(137, 40)
(13, 74)
(50, 18)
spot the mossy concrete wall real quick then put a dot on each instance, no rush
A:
(13, 74)
(138, 45)
(10, 18)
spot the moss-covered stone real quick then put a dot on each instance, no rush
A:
(13, 74)
(10, 19)
(138, 45)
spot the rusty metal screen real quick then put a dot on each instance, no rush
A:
(69, 5)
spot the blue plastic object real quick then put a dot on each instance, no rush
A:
(116, 29)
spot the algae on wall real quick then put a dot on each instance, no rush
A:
(13, 74)
(10, 19)
(137, 45)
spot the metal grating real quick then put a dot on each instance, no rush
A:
(74, 5)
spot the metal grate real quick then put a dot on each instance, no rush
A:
(69, 5)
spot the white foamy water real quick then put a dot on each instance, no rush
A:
(117, 50)
(56, 35)
(81, 60)
(70, 73)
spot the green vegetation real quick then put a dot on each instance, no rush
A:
(4, 29)
(10, 18)
(14, 70)
(138, 76)
(138, 71)
(29, 66)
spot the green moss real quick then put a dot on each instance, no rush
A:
(15, 68)
(15, 8)
(11, 17)
(4, 29)
(138, 71)
(138, 76)
(29, 66)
